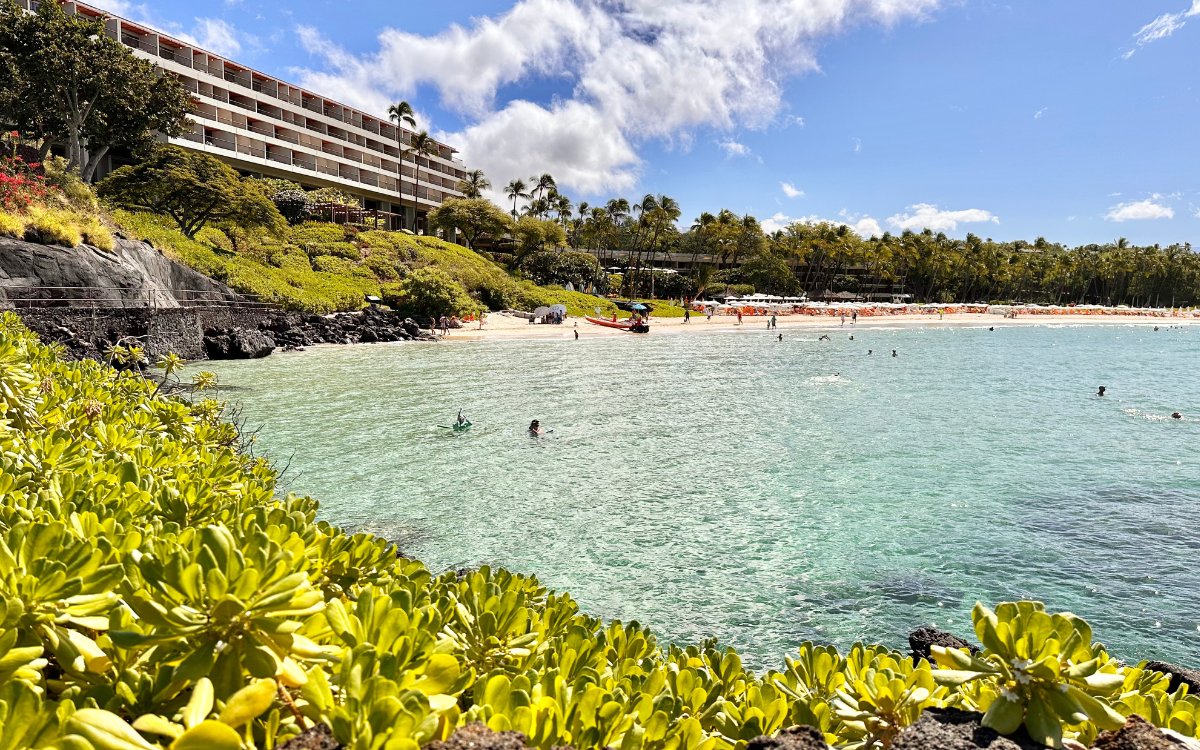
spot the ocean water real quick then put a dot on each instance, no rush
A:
(769, 492)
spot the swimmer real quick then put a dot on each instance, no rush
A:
(1100, 392)
(851, 337)
(894, 354)
(869, 351)
(535, 429)
(824, 337)
(781, 337)
(1176, 415)
(991, 328)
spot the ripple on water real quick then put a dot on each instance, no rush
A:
(732, 486)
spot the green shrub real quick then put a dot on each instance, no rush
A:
(429, 293)
(158, 592)
(330, 264)
(52, 227)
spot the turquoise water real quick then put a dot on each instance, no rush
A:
(773, 492)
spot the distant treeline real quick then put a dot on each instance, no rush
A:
(826, 257)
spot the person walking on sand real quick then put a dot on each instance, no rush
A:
(739, 317)
(843, 320)
(854, 317)
(687, 315)
(773, 325)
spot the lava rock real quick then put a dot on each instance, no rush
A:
(955, 729)
(476, 736)
(792, 738)
(1137, 734)
(1179, 675)
(920, 640)
(237, 343)
(319, 737)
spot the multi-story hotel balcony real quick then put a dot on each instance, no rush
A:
(261, 125)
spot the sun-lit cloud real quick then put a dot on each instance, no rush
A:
(1161, 28)
(639, 70)
(863, 225)
(1038, 115)
(1134, 211)
(928, 216)
(775, 223)
(790, 190)
(732, 148)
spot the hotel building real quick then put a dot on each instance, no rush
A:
(261, 125)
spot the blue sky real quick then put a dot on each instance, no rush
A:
(1071, 119)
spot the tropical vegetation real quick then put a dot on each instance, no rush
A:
(158, 591)
(62, 79)
(725, 250)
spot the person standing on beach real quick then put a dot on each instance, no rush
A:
(854, 317)
(739, 317)
(843, 320)
(687, 314)
(772, 326)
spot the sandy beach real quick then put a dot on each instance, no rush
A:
(499, 326)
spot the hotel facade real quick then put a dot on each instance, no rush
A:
(261, 125)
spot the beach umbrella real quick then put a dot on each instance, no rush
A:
(638, 306)
(561, 309)
(541, 312)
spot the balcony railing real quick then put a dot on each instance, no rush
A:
(241, 80)
(278, 157)
(288, 137)
(219, 142)
(252, 151)
(262, 129)
(243, 105)
(299, 161)
(335, 150)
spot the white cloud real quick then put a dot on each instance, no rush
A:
(775, 223)
(790, 190)
(654, 70)
(927, 216)
(1198, 211)
(863, 225)
(587, 150)
(857, 145)
(216, 35)
(1038, 115)
(1162, 27)
(733, 148)
(1146, 209)
(1071, 218)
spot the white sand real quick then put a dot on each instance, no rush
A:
(505, 327)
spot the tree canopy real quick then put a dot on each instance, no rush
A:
(62, 79)
(474, 217)
(193, 189)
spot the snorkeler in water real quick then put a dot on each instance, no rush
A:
(1100, 392)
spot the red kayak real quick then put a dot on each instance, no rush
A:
(622, 324)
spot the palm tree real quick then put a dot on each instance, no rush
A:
(420, 145)
(402, 112)
(562, 206)
(540, 184)
(474, 184)
(514, 190)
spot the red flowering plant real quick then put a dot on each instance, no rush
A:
(22, 181)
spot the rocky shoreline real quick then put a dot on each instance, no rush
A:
(197, 333)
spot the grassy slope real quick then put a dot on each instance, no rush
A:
(317, 268)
